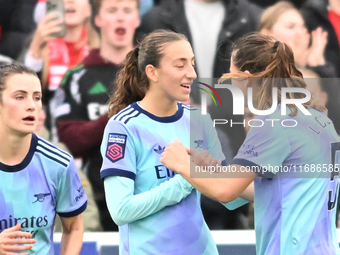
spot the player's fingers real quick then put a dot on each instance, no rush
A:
(203, 154)
(188, 150)
(210, 160)
(21, 240)
(19, 234)
(194, 152)
(14, 228)
(18, 248)
(178, 142)
(200, 157)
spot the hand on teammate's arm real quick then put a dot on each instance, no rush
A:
(72, 235)
(176, 157)
(13, 240)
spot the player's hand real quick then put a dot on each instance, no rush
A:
(12, 239)
(176, 157)
(203, 158)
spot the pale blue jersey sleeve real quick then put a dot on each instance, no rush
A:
(125, 207)
(264, 149)
(214, 145)
(118, 151)
(119, 172)
(70, 197)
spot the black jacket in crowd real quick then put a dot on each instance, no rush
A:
(241, 18)
(17, 24)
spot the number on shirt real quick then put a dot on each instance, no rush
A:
(335, 150)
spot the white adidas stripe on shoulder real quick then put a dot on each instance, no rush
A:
(53, 151)
(132, 114)
(123, 114)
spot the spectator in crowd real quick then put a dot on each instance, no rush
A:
(16, 22)
(286, 24)
(51, 57)
(81, 112)
(326, 14)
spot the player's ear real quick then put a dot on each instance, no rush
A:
(151, 73)
(247, 82)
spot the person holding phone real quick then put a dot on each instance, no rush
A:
(51, 56)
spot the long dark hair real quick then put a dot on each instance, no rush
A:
(272, 62)
(132, 82)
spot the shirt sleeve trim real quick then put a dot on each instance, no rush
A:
(117, 172)
(74, 213)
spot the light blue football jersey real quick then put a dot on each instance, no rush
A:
(295, 200)
(43, 184)
(133, 143)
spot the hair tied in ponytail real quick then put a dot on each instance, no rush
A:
(136, 52)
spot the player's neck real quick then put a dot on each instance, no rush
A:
(159, 108)
(14, 148)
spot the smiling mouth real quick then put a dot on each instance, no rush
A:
(185, 86)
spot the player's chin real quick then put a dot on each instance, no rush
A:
(185, 99)
(28, 130)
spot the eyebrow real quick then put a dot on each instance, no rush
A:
(25, 92)
(183, 59)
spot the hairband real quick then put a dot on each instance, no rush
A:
(276, 44)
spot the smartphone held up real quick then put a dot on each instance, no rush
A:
(57, 7)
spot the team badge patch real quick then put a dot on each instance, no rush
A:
(115, 149)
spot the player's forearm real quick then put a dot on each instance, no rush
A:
(125, 207)
(71, 243)
(72, 235)
(224, 189)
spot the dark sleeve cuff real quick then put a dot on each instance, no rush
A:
(254, 167)
(74, 213)
(117, 172)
